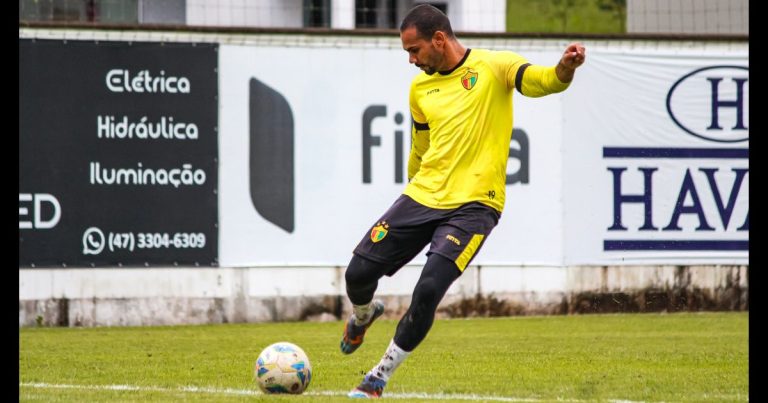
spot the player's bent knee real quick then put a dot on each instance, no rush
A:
(362, 271)
(425, 291)
(355, 273)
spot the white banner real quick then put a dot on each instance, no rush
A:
(337, 114)
(643, 160)
(656, 157)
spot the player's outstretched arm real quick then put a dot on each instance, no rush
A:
(573, 57)
(540, 80)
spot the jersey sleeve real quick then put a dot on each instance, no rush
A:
(419, 146)
(419, 136)
(528, 79)
(537, 81)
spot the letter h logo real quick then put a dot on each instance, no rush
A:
(718, 103)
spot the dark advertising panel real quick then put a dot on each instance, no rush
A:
(117, 154)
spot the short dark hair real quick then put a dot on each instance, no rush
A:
(427, 19)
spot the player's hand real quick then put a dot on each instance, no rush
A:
(574, 56)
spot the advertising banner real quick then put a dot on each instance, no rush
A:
(314, 145)
(657, 157)
(118, 150)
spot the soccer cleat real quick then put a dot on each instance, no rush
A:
(370, 388)
(353, 334)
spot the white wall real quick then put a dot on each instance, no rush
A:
(172, 296)
(479, 15)
(251, 13)
(343, 14)
(465, 15)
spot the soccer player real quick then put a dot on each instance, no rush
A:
(462, 126)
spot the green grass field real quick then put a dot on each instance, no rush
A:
(571, 16)
(682, 357)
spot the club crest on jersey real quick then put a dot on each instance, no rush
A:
(379, 231)
(469, 79)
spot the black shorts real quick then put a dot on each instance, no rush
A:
(403, 231)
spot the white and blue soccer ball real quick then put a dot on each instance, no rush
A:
(283, 367)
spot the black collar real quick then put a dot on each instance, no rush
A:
(463, 59)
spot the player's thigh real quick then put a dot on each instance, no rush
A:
(462, 235)
(399, 234)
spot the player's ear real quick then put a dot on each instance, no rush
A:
(438, 39)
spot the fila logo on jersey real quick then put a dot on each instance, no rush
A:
(469, 79)
(379, 231)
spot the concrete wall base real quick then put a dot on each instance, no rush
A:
(585, 290)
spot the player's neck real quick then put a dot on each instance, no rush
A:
(454, 53)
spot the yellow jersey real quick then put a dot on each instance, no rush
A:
(462, 127)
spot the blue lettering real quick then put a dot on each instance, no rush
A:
(745, 226)
(688, 188)
(727, 210)
(738, 103)
(644, 198)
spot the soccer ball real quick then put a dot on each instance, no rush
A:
(283, 368)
